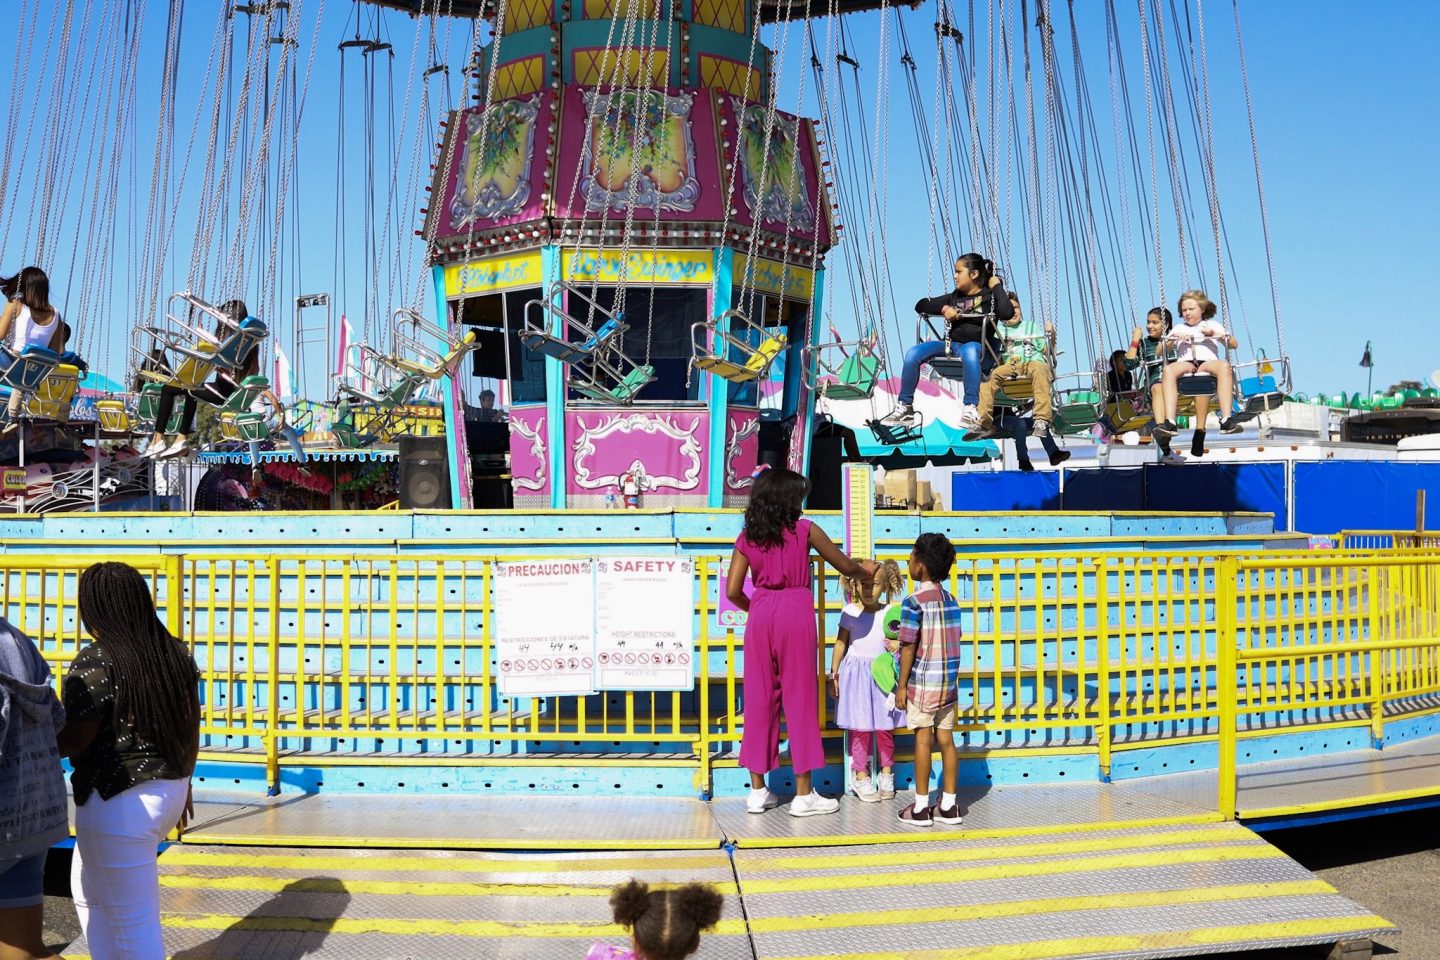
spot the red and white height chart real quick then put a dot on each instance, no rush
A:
(645, 623)
(545, 626)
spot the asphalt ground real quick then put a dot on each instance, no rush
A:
(1390, 865)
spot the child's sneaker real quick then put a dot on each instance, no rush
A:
(886, 786)
(865, 789)
(812, 804)
(761, 800)
(917, 818)
(949, 815)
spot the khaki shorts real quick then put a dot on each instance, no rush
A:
(942, 719)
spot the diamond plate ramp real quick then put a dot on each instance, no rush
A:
(1166, 891)
(234, 903)
(467, 823)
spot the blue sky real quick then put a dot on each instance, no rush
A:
(1344, 102)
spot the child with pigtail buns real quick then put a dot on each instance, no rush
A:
(664, 924)
(864, 704)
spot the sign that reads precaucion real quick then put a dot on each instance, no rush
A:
(545, 626)
(644, 623)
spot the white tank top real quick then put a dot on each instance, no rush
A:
(28, 333)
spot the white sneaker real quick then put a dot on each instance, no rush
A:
(969, 417)
(903, 415)
(176, 449)
(812, 804)
(886, 786)
(1172, 457)
(759, 802)
(1040, 428)
(865, 789)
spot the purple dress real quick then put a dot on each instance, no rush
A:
(861, 705)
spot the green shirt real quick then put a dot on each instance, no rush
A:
(1024, 343)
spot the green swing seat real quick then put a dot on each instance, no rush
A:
(623, 391)
(1077, 412)
(856, 379)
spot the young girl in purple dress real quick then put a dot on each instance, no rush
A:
(860, 705)
(782, 646)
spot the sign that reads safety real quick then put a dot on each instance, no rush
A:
(645, 623)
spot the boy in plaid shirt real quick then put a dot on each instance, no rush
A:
(927, 689)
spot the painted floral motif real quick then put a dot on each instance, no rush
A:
(656, 438)
(773, 174)
(494, 177)
(535, 435)
(639, 151)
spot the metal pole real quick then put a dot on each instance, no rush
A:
(95, 468)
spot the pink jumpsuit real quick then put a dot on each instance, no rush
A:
(781, 656)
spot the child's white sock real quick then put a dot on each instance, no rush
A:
(921, 802)
(947, 801)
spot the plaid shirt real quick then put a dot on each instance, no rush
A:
(930, 619)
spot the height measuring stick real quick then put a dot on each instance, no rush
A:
(859, 510)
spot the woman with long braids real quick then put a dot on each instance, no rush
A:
(132, 732)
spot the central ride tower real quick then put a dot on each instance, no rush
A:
(637, 236)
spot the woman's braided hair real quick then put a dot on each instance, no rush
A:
(666, 923)
(889, 583)
(154, 673)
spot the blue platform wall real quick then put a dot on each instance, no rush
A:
(1364, 495)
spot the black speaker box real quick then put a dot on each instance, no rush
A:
(424, 473)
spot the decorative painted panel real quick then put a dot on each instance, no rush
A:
(674, 152)
(497, 166)
(529, 458)
(635, 67)
(731, 76)
(622, 9)
(725, 14)
(524, 14)
(742, 449)
(664, 448)
(520, 77)
(778, 180)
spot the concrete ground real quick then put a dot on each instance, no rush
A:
(1391, 865)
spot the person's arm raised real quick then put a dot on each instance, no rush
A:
(834, 556)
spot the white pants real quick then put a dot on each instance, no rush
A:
(114, 876)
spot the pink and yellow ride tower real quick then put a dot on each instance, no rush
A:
(637, 237)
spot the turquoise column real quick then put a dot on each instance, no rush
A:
(554, 382)
(792, 384)
(450, 402)
(719, 393)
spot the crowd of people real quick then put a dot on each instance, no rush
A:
(997, 347)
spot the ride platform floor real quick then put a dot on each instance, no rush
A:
(1051, 871)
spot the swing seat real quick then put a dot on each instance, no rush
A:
(623, 392)
(192, 372)
(753, 368)
(229, 354)
(113, 416)
(26, 372)
(856, 380)
(1078, 412)
(1017, 388)
(443, 365)
(951, 368)
(894, 435)
(1196, 385)
(567, 351)
(56, 394)
(249, 392)
(243, 427)
(1123, 415)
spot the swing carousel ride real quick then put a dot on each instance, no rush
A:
(597, 256)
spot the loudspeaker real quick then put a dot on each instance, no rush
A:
(424, 473)
(827, 453)
(774, 442)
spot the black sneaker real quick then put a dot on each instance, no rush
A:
(1059, 457)
(1165, 428)
(913, 818)
(1230, 426)
(949, 816)
(1026, 466)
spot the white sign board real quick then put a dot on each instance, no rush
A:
(644, 623)
(545, 626)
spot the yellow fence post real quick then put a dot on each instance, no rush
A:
(175, 594)
(1376, 594)
(703, 777)
(1102, 670)
(1227, 682)
(272, 711)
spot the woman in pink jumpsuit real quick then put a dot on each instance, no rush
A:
(781, 638)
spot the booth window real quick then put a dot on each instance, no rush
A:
(498, 319)
(659, 321)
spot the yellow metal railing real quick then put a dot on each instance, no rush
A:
(314, 659)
